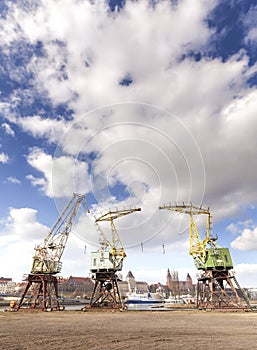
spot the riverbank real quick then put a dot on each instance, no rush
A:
(128, 330)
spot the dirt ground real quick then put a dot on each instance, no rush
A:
(128, 330)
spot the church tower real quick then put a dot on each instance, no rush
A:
(169, 280)
(132, 285)
(189, 283)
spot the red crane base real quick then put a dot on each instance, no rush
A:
(106, 294)
(40, 292)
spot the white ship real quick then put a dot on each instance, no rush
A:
(137, 298)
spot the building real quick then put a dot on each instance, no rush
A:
(7, 286)
(252, 293)
(187, 286)
(131, 285)
(177, 287)
(76, 286)
(174, 286)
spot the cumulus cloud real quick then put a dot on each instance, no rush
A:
(237, 227)
(4, 158)
(250, 25)
(80, 40)
(157, 58)
(13, 180)
(7, 128)
(39, 127)
(61, 176)
(156, 61)
(251, 37)
(246, 274)
(20, 232)
(131, 148)
(22, 223)
(246, 241)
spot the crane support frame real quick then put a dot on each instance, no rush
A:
(221, 290)
(106, 293)
(41, 292)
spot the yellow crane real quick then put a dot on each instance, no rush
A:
(107, 261)
(205, 251)
(213, 262)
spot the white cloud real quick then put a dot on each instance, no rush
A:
(4, 158)
(85, 70)
(37, 181)
(8, 129)
(93, 40)
(39, 127)
(246, 275)
(251, 36)
(13, 180)
(22, 224)
(247, 241)
(142, 151)
(20, 233)
(61, 176)
(233, 228)
(237, 227)
(249, 22)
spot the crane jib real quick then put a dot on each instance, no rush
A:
(48, 254)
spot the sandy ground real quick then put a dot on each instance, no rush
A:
(128, 330)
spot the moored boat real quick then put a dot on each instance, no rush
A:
(173, 300)
(136, 298)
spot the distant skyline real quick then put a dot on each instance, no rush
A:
(134, 104)
(181, 278)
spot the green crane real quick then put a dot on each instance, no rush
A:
(217, 286)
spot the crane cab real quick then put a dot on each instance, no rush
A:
(104, 261)
(218, 259)
(45, 266)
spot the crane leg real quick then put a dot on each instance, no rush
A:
(106, 292)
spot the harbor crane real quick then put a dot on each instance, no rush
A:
(217, 286)
(41, 283)
(106, 262)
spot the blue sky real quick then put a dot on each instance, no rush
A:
(134, 104)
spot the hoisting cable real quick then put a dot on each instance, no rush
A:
(161, 231)
(140, 230)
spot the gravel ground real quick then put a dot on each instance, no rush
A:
(128, 330)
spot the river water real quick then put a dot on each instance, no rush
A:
(130, 307)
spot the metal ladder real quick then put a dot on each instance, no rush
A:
(245, 296)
